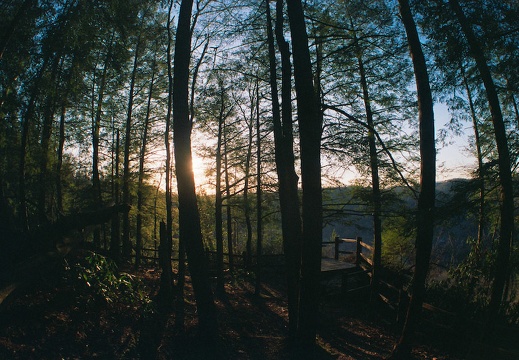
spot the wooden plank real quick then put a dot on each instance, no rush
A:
(365, 267)
(360, 272)
(8, 290)
(366, 246)
(351, 241)
(436, 309)
(389, 286)
(387, 301)
(331, 265)
(366, 259)
(358, 288)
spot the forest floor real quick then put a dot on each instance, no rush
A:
(58, 318)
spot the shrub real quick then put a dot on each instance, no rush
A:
(100, 274)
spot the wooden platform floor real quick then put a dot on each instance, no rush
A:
(332, 265)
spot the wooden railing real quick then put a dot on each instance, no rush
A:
(362, 252)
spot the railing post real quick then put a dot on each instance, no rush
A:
(359, 251)
(337, 241)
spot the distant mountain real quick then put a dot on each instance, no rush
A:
(347, 215)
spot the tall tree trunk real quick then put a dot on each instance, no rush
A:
(228, 208)
(502, 270)
(165, 295)
(127, 246)
(96, 126)
(285, 164)
(46, 132)
(189, 217)
(481, 170)
(426, 199)
(259, 213)
(218, 208)
(61, 146)
(375, 181)
(250, 124)
(166, 240)
(115, 236)
(310, 130)
(140, 189)
(181, 274)
(28, 118)
(61, 137)
(22, 193)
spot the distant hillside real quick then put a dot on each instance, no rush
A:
(347, 215)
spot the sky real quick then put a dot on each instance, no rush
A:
(454, 159)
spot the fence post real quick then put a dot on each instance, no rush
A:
(155, 253)
(359, 251)
(403, 303)
(336, 255)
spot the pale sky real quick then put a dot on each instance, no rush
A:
(453, 160)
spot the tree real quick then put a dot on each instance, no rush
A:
(115, 238)
(259, 212)
(375, 180)
(140, 195)
(219, 202)
(189, 217)
(502, 270)
(248, 116)
(310, 129)
(127, 144)
(285, 164)
(166, 288)
(426, 199)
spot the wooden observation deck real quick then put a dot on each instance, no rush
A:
(349, 255)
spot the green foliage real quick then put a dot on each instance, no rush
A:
(397, 243)
(100, 274)
(466, 290)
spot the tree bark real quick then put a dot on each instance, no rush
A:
(310, 130)
(259, 213)
(46, 132)
(165, 295)
(250, 125)
(127, 245)
(59, 164)
(375, 180)
(189, 217)
(166, 286)
(115, 236)
(481, 170)
(426, 199)
(96, 125)
(140, 189)
(228, 208)
(28, 118)
(502, 270)
(285, 167)
(218, 208)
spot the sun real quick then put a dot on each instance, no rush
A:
(199, 169)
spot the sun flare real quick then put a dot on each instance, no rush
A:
(199, 169)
